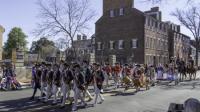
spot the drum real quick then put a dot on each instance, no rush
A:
(137, 82)
(127, 80)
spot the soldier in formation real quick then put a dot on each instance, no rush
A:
(72, 81)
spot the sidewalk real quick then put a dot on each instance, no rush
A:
(25, 85)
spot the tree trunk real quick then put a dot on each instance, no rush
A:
(197, 51)
(74, 51)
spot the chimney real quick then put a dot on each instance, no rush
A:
(116, 4)
(84, 37)
(78, 37)
(155, 9)
(178, 28)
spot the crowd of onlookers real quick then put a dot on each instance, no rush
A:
(8, 79)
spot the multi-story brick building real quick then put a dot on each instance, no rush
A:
(84, 48)
(179, 44)
(2, 30)
(130, 34)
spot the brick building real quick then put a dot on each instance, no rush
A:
(84, 47)
(179, 44)
(130, 34)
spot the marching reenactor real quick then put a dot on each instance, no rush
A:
(88, 79)
(151, 75)
(79, 87)
(136, 77)
(49, 82)
(126, 72)
(108, 73)
(56, 82)
(37, 80)
(44, 68)
(98, 83)
(117, 70)
(67, 78)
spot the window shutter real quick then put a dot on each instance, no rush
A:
(137, 44)
(131, 43)
(96, 46)
(114, 44)
(109, 45)
(123, 45)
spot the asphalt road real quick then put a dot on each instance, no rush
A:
(157, 99)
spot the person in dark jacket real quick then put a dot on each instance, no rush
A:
(98, 83)
(79, 87)
(36, 79)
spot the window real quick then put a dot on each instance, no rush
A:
(151, 43)
(111, 45)
(112, 13)
(121, 44)
(20, 57)
(99, 45)
(146, 42)
(134, 43)
(121, 11)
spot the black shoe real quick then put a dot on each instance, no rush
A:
(62, 107)
(32, 98)
(43, 95)
(54, 104)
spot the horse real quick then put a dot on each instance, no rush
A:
(182, 71)
(192, 71)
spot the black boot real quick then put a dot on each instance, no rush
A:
(32, 98)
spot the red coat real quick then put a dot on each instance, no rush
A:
(117, 69)
(108, 69)
(127, 71)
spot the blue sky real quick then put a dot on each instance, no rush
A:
(23, 13)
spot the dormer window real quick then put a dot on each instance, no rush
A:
(112, 13)
(121, 11)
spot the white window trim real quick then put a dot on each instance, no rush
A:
(120, 42)
(98, 45)
(135, 42)
(111, 43)
(121, 11)
(112, 14)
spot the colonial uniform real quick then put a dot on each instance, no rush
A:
(37, 80)
(88, 80)
(98, 84)
(126, 75)
(43, 81)
(78, 88)
(56, 84)
(117, 71)
(49, 84)
(108, 73)
(137, 79)
(66, 82)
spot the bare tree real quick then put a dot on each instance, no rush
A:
(159, 1)
(62, 44)
(191, 20)
(64, 17)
